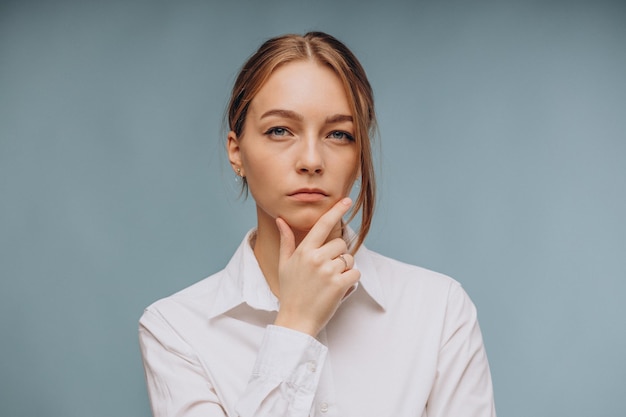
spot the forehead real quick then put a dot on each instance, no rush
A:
(305, 86)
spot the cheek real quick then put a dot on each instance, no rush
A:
(260, 170)
(351, 168)
(349, 176)
(257, 174)
(263, 161)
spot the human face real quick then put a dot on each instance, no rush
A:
(297, 149)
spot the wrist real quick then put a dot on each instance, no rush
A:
(300, 325)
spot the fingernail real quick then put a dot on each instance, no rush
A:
(346, 201)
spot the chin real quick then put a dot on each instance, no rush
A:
(303, 222)
(301, 225)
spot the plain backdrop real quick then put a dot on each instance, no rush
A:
(502, 163)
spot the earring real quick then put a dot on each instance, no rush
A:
(238, 176)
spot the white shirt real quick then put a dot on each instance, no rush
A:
(405, 343)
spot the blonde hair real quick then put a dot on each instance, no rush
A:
(326, 50)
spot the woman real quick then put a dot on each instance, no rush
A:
(304, 320)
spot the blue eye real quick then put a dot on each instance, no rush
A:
(277, 131)
(339, 135)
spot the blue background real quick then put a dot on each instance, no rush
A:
(502, 164)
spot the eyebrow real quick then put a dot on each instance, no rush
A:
(288, 114)
(339, 118)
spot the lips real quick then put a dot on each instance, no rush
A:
(309, 191)
(309, 194)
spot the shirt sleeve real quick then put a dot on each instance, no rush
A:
(177, 384)
(463, 384)
(285, 376)
(283, 382)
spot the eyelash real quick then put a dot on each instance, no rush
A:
(272, 131)
(284, 131)
(346, 135)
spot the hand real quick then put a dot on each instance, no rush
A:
(312, 277)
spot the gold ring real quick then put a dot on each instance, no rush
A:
(344, 262)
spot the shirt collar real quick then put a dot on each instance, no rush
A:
(370, 280)
(243, 281)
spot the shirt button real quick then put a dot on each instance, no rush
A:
(324, 407)
(311, 366)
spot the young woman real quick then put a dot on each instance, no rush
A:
(304, 320)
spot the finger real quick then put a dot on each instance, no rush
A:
(342, 262)
(332, 248)
(287, 240)
(347, 261)
(320, 231)
(350, 277)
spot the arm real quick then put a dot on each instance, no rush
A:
(177, 384)
(463, 384)
(283, 382)
(285, 376)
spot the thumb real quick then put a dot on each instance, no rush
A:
(287, 240)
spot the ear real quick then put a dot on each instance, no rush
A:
(234, 153)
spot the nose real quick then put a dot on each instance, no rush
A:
(310, 156)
